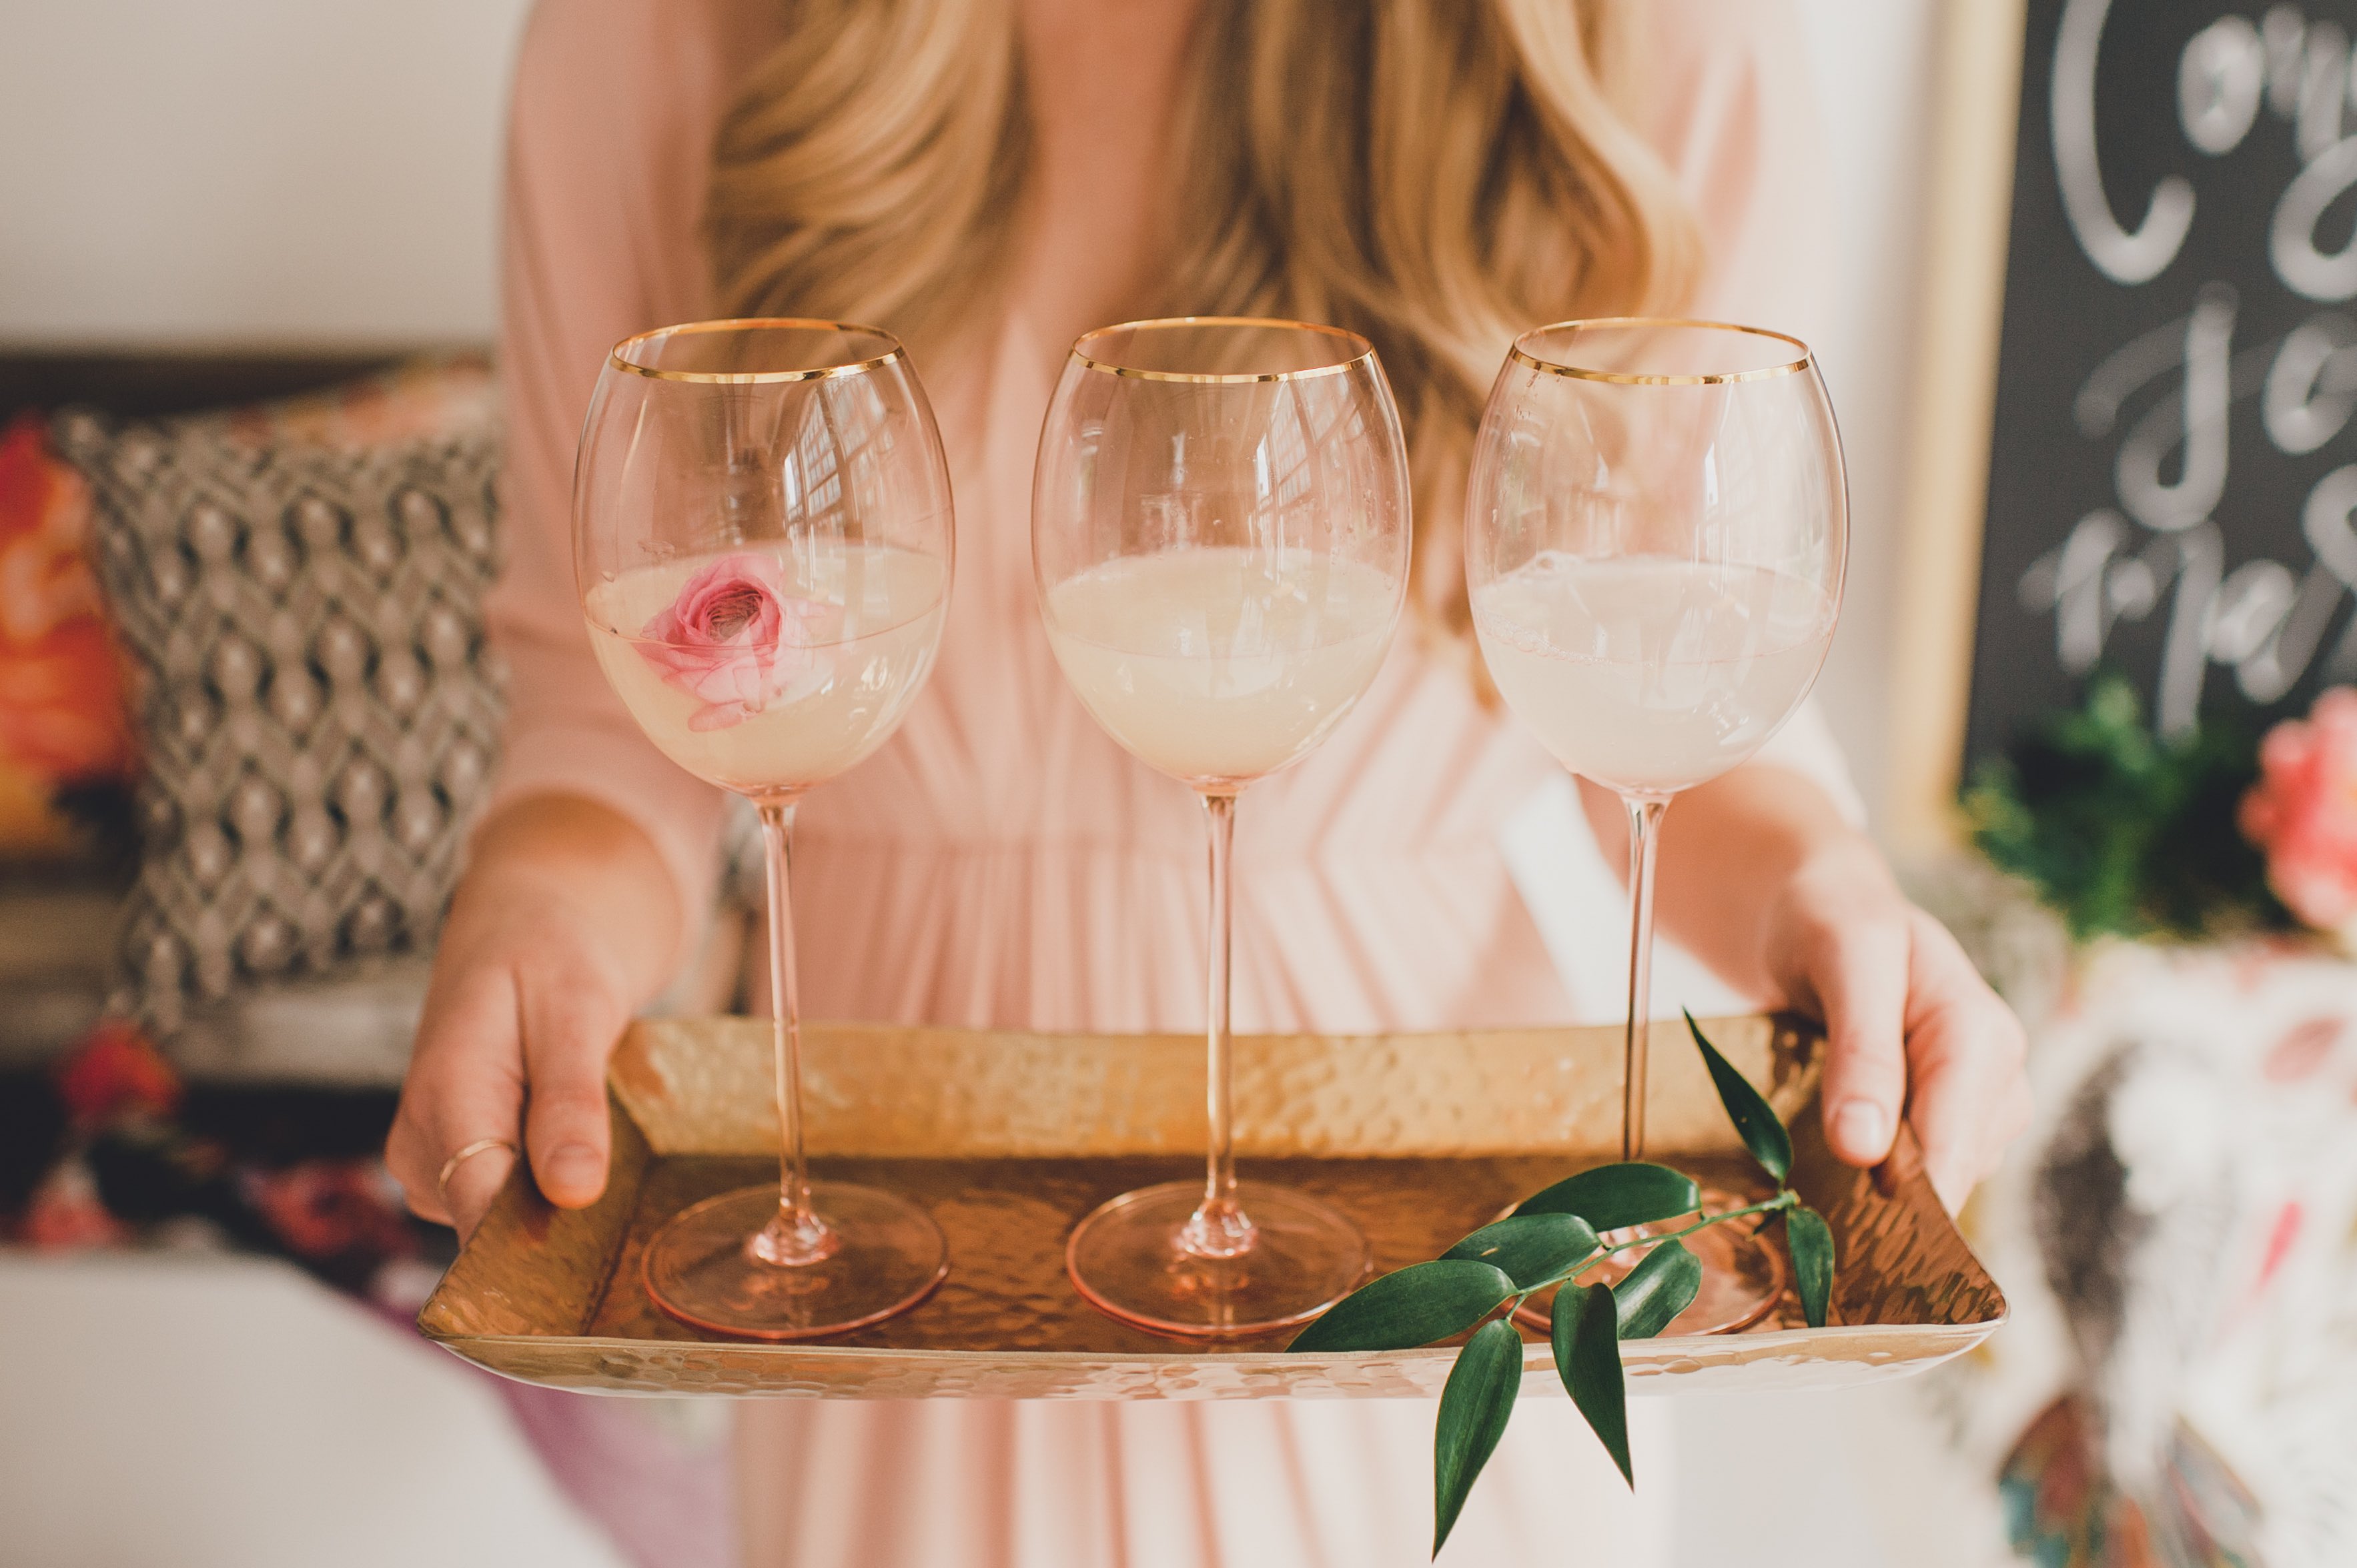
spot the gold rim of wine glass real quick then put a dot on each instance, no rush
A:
(894, 352)
(1555, 366)
(1361, 352)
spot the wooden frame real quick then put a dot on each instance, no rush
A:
(1970, 215)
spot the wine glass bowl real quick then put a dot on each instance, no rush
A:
(763, 547)
(1220, 539)
(1654, 544)
(1656, 529)
(1220, 542)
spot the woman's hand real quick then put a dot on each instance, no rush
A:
(1912, 1027)
(553, 943)
(1763, 879)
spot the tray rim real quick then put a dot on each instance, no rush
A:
(1666, 1368)
(1536, 1356)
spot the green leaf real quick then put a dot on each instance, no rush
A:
(1532, 1248)
(1415, 1306)
(1474, 1409)
(1659, 1287)
(1811, 1242)
(1761, 1133)
(1611, 1197)
(1587, 1356)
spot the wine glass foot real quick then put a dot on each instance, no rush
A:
(702, 1268)
(1128, 1260)
(1742, 1273)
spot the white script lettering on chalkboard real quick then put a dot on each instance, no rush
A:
(2194, 419)
(2312, 386)
(2320, 110)
(2123, 257)
(2164, 543)
(2219, 80)
(2285, 33)
(2264, 621)
(2291, 239)
(2307, 70)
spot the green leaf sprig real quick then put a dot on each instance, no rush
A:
(2120, 830)
(1549, 1239)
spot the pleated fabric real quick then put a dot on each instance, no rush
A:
(1265, 1484)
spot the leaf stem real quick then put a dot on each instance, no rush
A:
(1781, 1201)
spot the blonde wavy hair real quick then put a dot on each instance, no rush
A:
(1436, 175)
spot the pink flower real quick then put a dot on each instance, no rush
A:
(735, 638)
(2303, 811)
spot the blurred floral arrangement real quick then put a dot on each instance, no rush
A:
(111, 1148)
(2203, 1098)
(2217, 835)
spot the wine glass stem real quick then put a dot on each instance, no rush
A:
(796, 1234)
(1645, 837)
(1218, 1227)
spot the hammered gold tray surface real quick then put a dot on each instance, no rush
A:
(1007, 1138)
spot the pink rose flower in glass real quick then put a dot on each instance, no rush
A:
(739, 640)
(2303, 811)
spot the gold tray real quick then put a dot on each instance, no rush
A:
(1008, 1138)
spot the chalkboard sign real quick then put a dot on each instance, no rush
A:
(2172, 462)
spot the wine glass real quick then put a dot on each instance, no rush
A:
(1220, 540)
(762, 542)
(1655, 528)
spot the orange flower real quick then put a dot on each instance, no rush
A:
(61, 710)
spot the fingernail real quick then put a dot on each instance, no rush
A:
(1860, 1128)
(571, 1167)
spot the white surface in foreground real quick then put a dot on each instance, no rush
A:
(191, 1411)
(1854, 1478)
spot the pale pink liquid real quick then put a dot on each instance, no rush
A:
(1647, 673)
(1222, 664)
(856, 688)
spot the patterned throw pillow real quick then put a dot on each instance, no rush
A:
(298, 588)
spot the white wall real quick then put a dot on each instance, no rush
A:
(249, 171)
(1873, 64)
(293, 171)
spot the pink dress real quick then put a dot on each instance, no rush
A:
(1001, 862)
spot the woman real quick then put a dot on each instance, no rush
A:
(990, 178)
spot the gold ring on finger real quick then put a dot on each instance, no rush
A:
(451, 1167)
